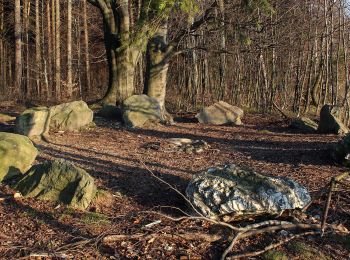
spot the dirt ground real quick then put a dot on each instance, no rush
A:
(113, 155)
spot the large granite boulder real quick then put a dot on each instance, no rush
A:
(59, 181)
(32, 121)
(139, 110)
(233, 193)
(70, 116)
(340, 152)
(304, 125)
(17, 154)
(331, 121)
(220, 113)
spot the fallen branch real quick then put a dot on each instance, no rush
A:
(273, 246)
(332, 187)
(187, 236)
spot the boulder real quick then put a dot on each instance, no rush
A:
(70, 116)
(59, 181)
(304, 124)
(220, 113)
(17, 154)
(32, 121)
(331, 121)
(65, 117)
(340, 152)
(233, 193)
(141, 109)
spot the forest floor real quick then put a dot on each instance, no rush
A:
(114, 156)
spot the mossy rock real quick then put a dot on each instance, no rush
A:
(59, 181)
(70, 116)
(340, 151)
(141, 110)
(331, 121)
(32, 121)
(220, 113)
(17, 154)
(274, 255)
(304, 125)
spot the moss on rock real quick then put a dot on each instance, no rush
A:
(17, 154)
(59, 181)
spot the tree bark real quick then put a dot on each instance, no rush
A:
(58, 50)
(18, 48)
(69, 50)
(87, 50)
(121, 55)
(37, 48)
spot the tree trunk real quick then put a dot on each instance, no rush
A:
(223, 58)
(2, 51)
(69, 50)
(37, 48)
(58, 51)
(49, 50)
(157, 65)
(18, 49)
(121, 56)
(87, 51)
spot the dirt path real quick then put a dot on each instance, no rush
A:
(112, 154)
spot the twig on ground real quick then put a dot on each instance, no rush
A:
(273, 246)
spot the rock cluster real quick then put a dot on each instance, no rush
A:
(64, 117)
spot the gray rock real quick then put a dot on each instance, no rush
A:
(70, 116)
(17, 154)
(59, 181)
(139, 110)
(340, 151)
(232, 192)
(187, 145)
(32, 121)
(331, 121)
(304, 124)
(220, 113)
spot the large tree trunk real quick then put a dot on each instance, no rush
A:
(121, 56)
(157, 65)
(18, 49)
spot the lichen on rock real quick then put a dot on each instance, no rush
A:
(59, 181)
(239, 192)
(17, 154)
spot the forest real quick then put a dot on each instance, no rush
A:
(174, 129)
